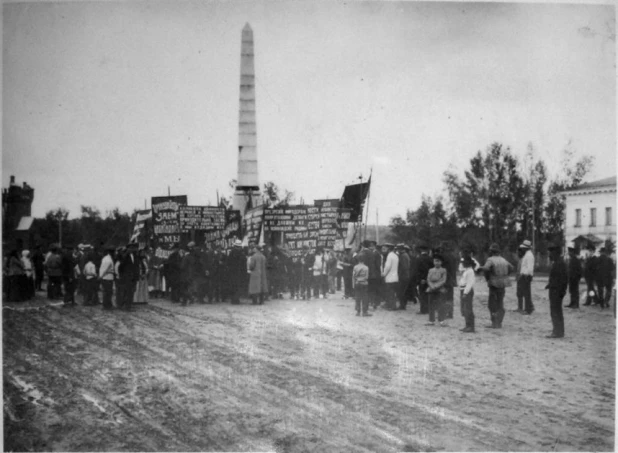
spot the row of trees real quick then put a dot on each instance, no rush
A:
(500, 198)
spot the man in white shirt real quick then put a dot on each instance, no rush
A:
(106, 275)
(391, 276)
(524, 279)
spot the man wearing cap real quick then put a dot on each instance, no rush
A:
(606, 273)
(557, 286)
(236, 265)
(524, 279)
(403, 274)
(497, 271)
(590, 272)
(575, 275)
(128, 271)
(390, 273)
(424, 264)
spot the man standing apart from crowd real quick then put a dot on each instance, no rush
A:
(497, 271)
(106, 275)
(424, 264)
(524, 281)
(258, 283)
(606, 273)
(557, 286)
(575, 275)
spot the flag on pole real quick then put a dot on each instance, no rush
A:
(354, 197)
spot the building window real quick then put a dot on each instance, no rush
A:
(608, 216)
(578, 217)
(593, 217)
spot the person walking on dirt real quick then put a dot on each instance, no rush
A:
(497, 271)
(236, 267)
(557, 286)
(575, 275)
(258, 282)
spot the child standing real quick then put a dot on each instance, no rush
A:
(466, 284)
(360, 276)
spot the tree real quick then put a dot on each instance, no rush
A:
(273, 198)
(491, 195)
(572, 172)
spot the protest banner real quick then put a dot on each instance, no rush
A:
(201, 218)
(225, 237)
(252, 225)
(140, 230)
(166, 223)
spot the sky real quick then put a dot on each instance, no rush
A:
(106, 104)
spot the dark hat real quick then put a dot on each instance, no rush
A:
(422, 246)
(494, 247)
(467, 262)
(366, 243)
(437, 256)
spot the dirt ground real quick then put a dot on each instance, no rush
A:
(294, 376)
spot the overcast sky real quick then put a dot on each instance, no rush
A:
(106, 104)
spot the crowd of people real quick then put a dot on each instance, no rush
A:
(386, 275)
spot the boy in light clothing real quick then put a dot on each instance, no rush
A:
(466, 285)
(360, 277)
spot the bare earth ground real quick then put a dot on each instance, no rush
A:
(305, 376)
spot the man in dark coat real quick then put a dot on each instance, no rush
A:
(236, 269)
(424, 264)
(373, 259)
(38, 262)
(403, 273)
(411, 291)
(575, 275)
(172, 269)
(193, 267)
(590, 272)
(557, 286)
(307, 260)
(258, 280)
(129, 271)
(68, 264)
(606, 273)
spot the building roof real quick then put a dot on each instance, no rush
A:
(24, 224)
(605, 183)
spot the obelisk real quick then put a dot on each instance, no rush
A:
(247, 194)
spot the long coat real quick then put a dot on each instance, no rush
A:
(258, 284)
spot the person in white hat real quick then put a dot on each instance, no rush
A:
(524, 279)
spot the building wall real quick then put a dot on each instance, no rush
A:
(586, 201)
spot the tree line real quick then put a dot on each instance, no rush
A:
(500, 198)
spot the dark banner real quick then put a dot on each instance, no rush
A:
(225, 237)
(201, 218)
(166, 223)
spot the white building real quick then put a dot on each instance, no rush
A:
(591, 213)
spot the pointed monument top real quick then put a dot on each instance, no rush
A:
(247, 27)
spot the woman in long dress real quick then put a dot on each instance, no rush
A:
(141, 291)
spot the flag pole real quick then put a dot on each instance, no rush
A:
(368, 197)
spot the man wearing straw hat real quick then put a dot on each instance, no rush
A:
(524, 279)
